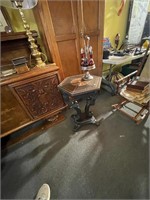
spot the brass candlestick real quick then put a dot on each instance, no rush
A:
(34, 48)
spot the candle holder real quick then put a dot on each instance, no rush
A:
(87, 75)
(87, 62)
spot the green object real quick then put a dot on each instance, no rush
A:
(127, 69)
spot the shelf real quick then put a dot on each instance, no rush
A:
(17, 77)
(16, 35)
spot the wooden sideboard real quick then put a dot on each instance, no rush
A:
(30, 97)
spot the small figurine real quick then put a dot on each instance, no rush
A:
(117, 38)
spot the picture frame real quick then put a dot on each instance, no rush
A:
(5, 25)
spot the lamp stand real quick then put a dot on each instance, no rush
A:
(87, 76)
(34, 48)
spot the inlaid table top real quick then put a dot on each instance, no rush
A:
(75, 85)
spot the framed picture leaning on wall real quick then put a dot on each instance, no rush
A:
(5, 25)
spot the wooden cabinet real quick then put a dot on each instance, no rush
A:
(60, 25)
(29, 97)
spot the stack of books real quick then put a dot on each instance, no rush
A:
(138, 86)
(137, 91)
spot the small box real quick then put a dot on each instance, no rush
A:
(20, 65)
(106, 43)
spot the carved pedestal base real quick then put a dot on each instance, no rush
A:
(86, 117)
(78, 124)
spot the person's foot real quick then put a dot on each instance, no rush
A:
(43, 193)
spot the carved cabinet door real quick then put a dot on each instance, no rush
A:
(39, 96)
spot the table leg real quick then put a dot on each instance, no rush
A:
(108, 86)
(110, 73)
(108, 83)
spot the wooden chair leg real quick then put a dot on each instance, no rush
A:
(142, 116)
(138, 117)
(120, 105)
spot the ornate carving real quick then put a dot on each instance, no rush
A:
(41, 96)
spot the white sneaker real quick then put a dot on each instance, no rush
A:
(43, 193)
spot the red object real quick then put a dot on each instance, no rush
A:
(82, 57)
(91, 61)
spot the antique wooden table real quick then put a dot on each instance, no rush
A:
(75, 88)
